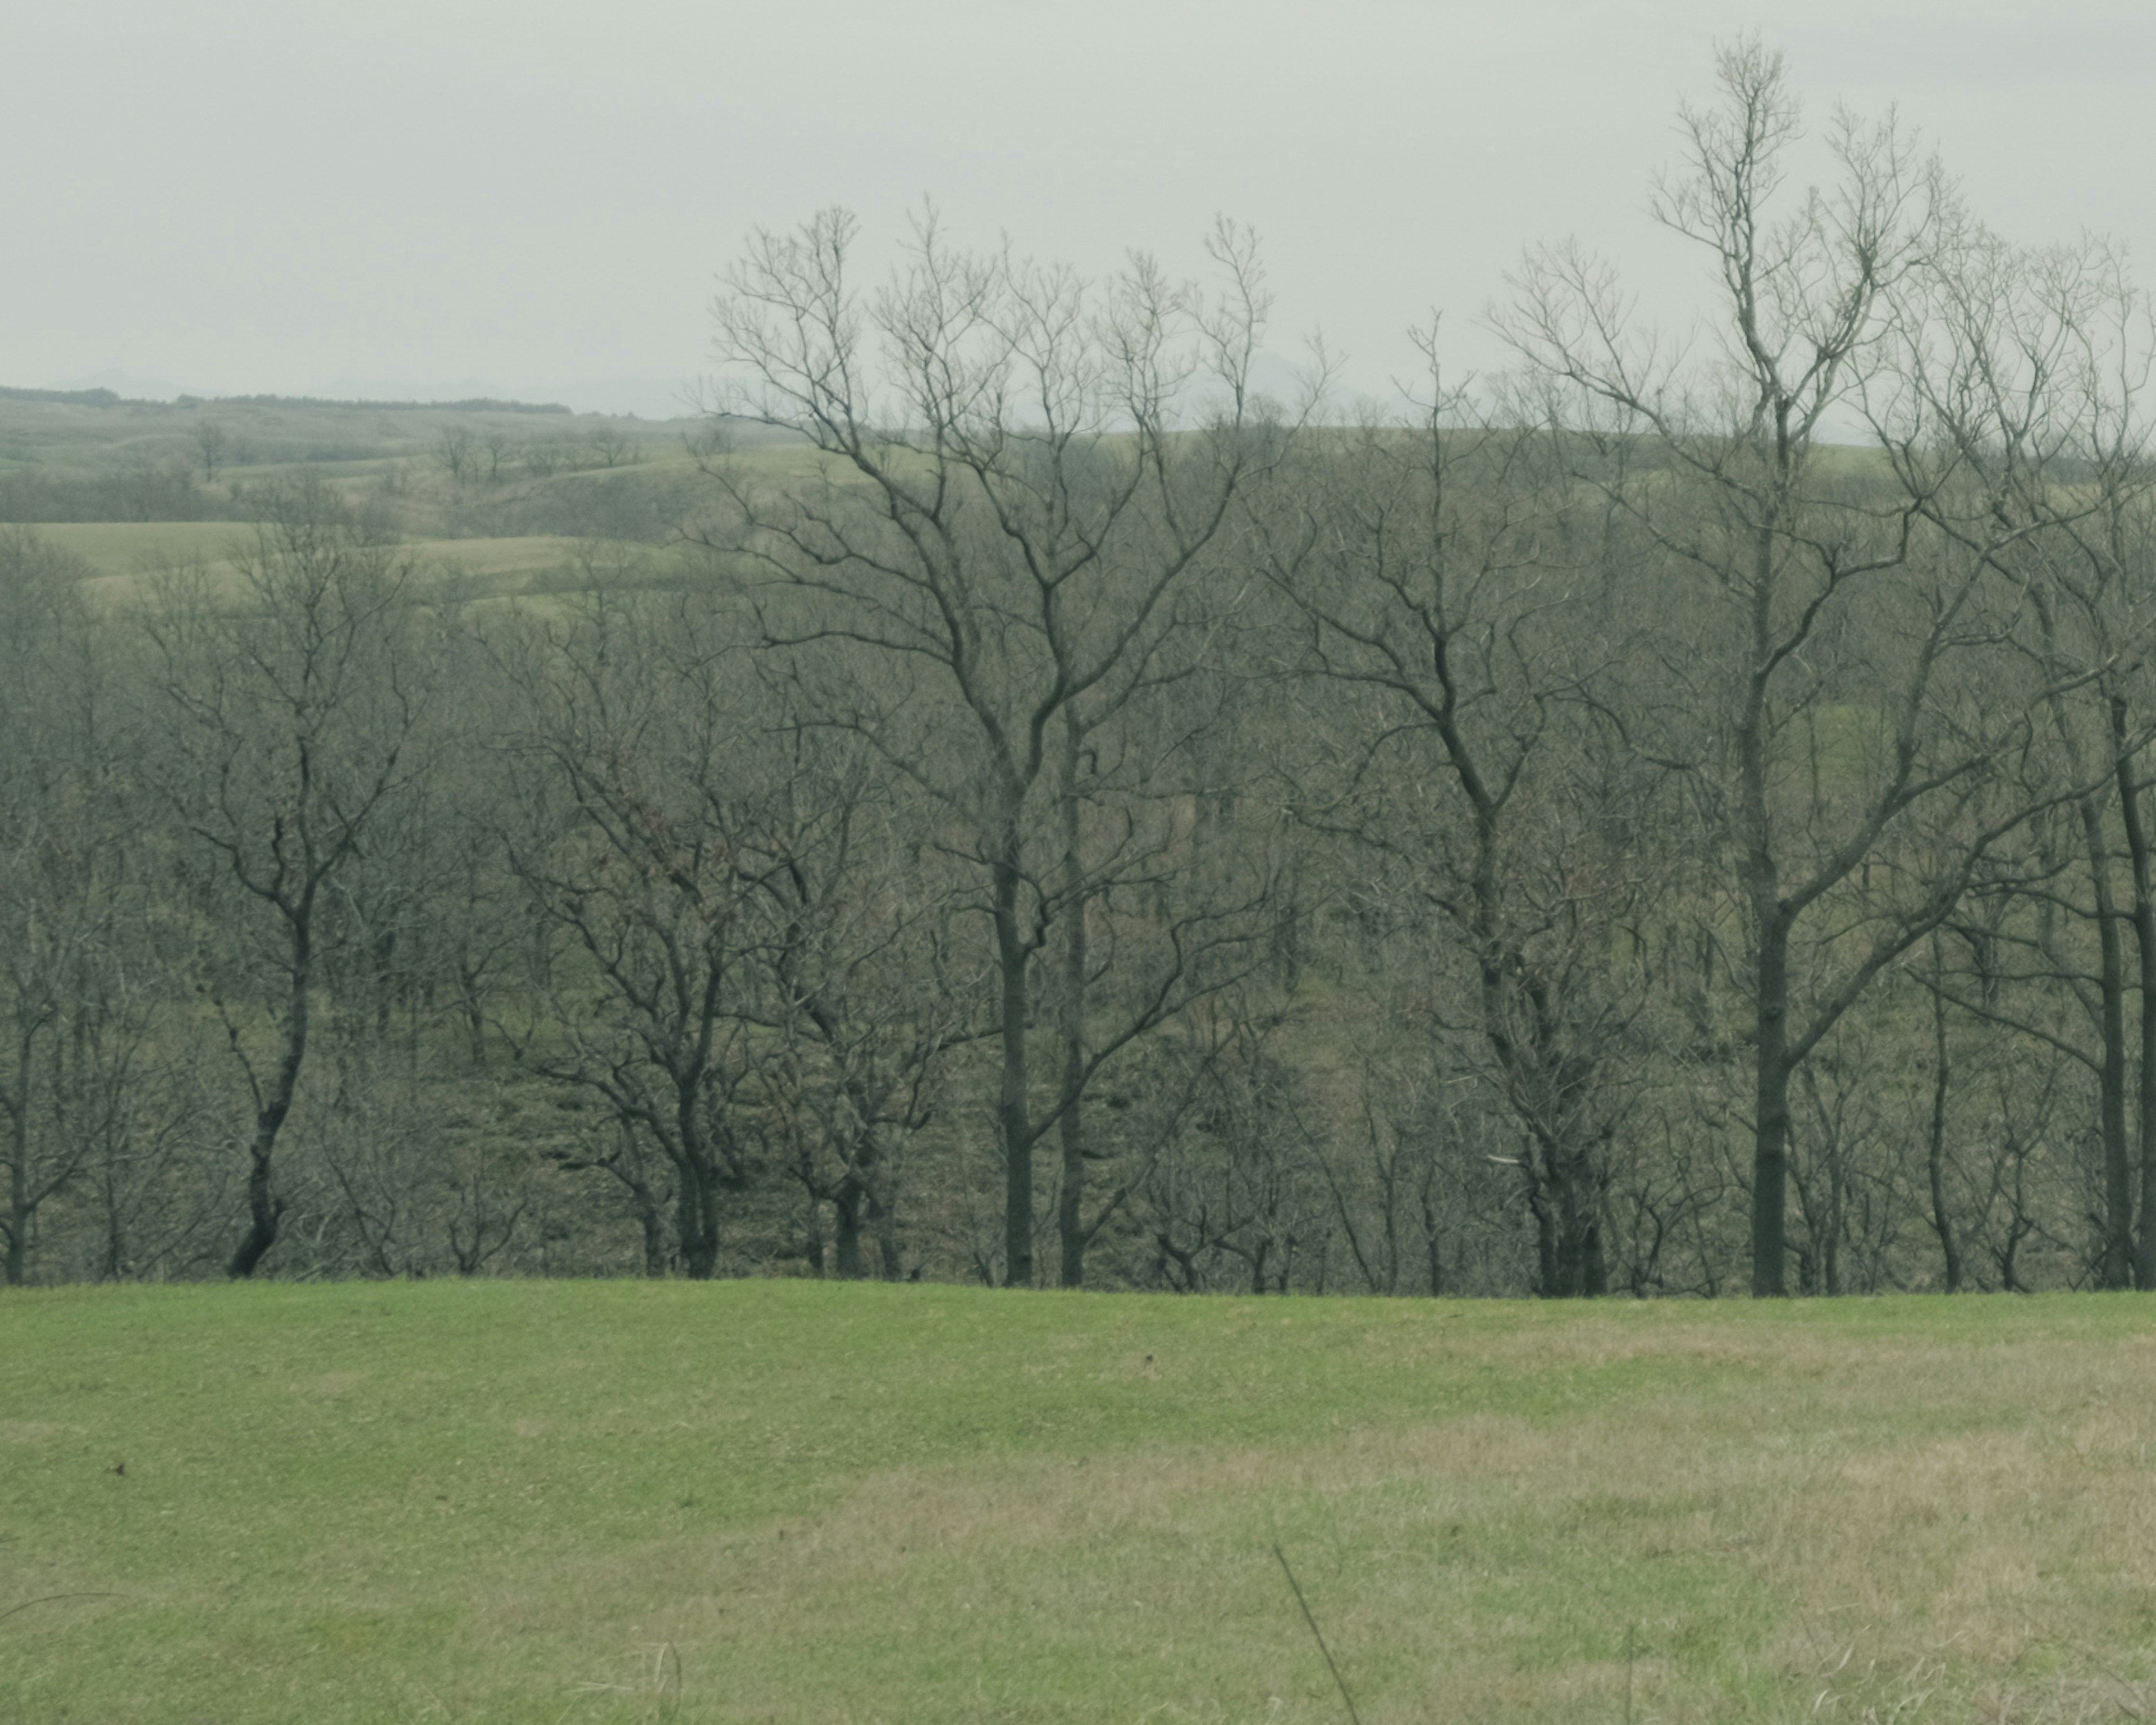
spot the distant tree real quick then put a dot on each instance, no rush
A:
(213, 448)
(456, 452)
(612, 445)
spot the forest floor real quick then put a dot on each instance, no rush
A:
(578, 1503)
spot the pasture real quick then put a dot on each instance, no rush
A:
(790, 1501)
(123, 555)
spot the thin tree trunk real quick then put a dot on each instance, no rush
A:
(265, 1208)
(2144, 938)
(1070, 1205)
(1013, 1113)
(653, 1221)
(1586, 1268)
(1432, 1243)
(1770, 1131)
(1936, 1157)
(18, 1191)
(2116, 1268)
(1770, 1120)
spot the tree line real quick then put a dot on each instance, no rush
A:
(1673, 821)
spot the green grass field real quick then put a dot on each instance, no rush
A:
(628, 1501)
(125, 547)
(121, 554)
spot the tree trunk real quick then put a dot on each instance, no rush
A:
(22, 1203)
(1014, 1114)
(1568, 1230)
(697, 1207)
(1433, 1246)
(2116, 1268)
(1582, 1268)
(885, 1219)
(653, 1221)
(18, 1194)
(265, 1209)
(2144, 939)
(1762, 886)
(1070, 1204)
(1547, 1276)
(846, 1231)
(1770, 1131)
(1936, 1157)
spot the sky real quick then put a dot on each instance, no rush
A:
(433, 198)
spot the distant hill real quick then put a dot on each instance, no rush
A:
(475, 404)
(101, 398)
(71, 397)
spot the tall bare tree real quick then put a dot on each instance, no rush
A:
(1482, 779)
(2027, 369)
(986, 573)
(1826, 626)
(627, 842)
(292, 714)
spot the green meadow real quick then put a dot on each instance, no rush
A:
(790, 1501)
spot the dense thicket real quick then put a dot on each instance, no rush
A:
(1677, 824)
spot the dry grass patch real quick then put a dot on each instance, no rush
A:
(1487, 1566)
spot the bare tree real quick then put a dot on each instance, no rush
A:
(1480, 776)
(860, 999)
(627, 846)
(456, 452)
(291, 719)
(65, 881)
(2027, 368)
(1808, 582)
(612, 445)
(213, 448)
(986, 578)
(1239, 1198)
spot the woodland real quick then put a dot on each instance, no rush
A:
(1001, 797)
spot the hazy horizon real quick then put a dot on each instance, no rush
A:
(534, 201)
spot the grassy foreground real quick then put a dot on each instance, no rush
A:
(630, 1501)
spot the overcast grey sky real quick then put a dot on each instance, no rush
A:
(435, 196)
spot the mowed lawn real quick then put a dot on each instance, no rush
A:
(630, 1502)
